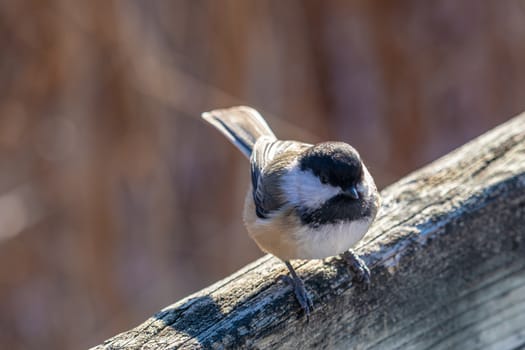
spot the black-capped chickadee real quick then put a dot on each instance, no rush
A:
(305, 201)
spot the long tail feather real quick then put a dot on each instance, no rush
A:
(242, 125)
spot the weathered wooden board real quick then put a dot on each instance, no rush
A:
(447, 255)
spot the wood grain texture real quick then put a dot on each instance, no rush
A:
(447, 255)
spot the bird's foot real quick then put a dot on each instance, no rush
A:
(358, 268)
(300, 291)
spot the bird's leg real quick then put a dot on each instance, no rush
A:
(361, 273)
(300, 292)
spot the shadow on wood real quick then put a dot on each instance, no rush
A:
(447, 255)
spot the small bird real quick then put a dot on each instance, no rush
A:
(305, 201)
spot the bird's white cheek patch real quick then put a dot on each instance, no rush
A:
(303, 189)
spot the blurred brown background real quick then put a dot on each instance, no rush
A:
(116, 199)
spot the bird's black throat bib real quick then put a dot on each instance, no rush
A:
(338, 209)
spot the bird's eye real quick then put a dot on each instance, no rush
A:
(323, 178)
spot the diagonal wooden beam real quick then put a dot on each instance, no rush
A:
(447, 255)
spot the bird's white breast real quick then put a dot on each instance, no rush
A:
(329, 239)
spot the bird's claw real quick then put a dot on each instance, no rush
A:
(300, 293)
(358, 268)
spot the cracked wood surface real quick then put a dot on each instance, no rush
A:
(447, 256)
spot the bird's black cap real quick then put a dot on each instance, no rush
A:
(336, 163)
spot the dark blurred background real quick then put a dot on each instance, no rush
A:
(116, 199)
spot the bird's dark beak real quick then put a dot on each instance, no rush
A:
(352, 192)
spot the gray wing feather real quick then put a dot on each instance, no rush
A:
(269, 161)
(269, 157)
